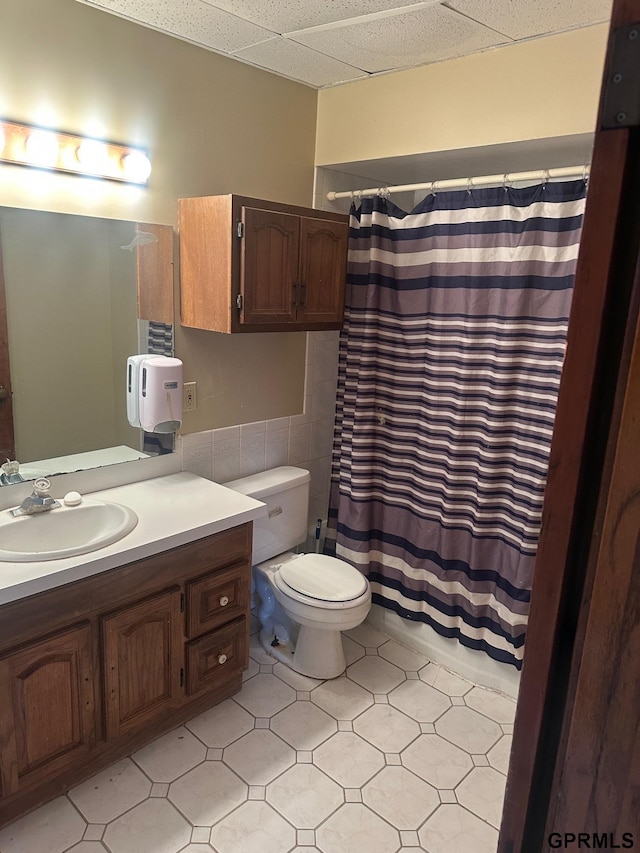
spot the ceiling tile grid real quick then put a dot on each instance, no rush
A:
(324, 44)
(404, 40)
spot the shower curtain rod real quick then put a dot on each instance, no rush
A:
(471, 183)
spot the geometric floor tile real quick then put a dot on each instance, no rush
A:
(356, 829)
(153, 825)
(452, 829)
(253, 828)
(170, 756)
(437, 761)
(500, 708)
(342, 698)
(207, 793)
(386, 728)
(400, 797)
(420, 701)
(445, 681)
(52, 828)
(397, 754)
(348, 759)
(265, 694)
(469, 730)
(305, 795)
(221, 725)
(401, 656)
(375, 674)
(111, 793)
(499, 754)
(482, 792)
(303, 725)
(259, 757)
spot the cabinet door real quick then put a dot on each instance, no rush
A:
(268, 266)
(323, 270)
(47, 710)
(143, 661)
(217, 656)
(217, 598)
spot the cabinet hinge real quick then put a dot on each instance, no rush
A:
(181, 676)
(182, 602)
(239, 302)
(240, 229)
(621, 102)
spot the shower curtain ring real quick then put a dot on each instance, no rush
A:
(506, 181)
(469, 185)
(585, 174)
(545, 179)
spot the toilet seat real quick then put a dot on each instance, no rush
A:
(321, 580)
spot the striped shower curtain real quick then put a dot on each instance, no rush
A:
(449, 368)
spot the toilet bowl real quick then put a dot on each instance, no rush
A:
(305, 601)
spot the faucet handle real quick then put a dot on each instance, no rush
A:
(42, 488)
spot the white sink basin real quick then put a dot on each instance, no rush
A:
(63, 532)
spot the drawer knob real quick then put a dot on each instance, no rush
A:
(224, 600)
(222, 659)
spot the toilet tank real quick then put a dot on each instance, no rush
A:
(285, 491)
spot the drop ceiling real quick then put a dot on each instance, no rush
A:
(327, 42)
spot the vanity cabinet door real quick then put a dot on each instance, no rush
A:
(217, 656)
(47, 710)
(217, 598)
(143, 662)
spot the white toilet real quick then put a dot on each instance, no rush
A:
(306, 600)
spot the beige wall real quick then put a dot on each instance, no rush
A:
(535, 90)
(211, 125)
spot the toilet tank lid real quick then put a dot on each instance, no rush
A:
(267, 482)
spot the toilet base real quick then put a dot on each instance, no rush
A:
(318, 653)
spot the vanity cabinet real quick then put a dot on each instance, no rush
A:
(47, 721)
(256, 266)
(143, 662)
(93, 670)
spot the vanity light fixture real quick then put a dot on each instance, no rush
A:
(25, 145)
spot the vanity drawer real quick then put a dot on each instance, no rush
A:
(220, 653)
(218, 598)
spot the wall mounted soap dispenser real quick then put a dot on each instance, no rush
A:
(154, 392)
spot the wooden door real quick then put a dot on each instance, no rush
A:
(47, 709)
(575, 762)
(143, 659)
(323, 270)
(269, 266)
(7, 442)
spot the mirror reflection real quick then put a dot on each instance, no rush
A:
(81, 295)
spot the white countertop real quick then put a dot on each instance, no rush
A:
(172, 510)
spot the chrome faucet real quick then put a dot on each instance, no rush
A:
(10, 473)
(40, 500)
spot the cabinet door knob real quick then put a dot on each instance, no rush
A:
(222, 659)
(224, 600)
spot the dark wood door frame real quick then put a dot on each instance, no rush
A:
(601, 335)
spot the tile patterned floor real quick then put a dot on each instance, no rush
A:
(396, 755)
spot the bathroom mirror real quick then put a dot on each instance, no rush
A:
(82, 293)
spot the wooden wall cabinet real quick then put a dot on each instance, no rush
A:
(95, 669)
(256, 266)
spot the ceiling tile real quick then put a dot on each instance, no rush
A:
(524, 19)
(190, 19)
(298, 62)
(285, 16)
(407, 39)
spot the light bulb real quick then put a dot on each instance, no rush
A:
(136, 166)
(92, 155)
(2, 140)
(42, 148)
